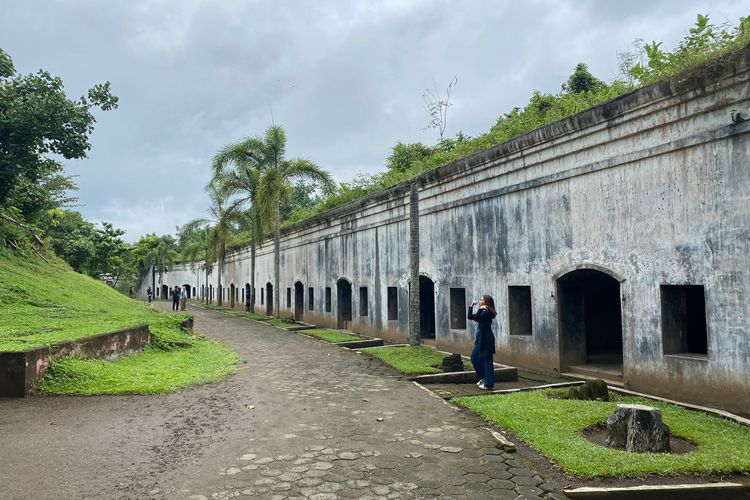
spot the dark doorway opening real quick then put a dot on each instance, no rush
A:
(269, 299)
(344, 298)
(590, 317)
(426, 308)
(248, 296)
(231, 295)
(164, 292)
(299, 298)
(187, 289)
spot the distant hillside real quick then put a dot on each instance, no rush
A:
(43, 303)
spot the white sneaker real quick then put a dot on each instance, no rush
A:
(480, 383)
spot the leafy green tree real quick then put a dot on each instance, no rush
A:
(582, 81)
(300, 197)
(276, 178)
(39, 123)
(404, 156)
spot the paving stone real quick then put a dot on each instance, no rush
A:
(529, 491)
(502, 484)
(527, 481)
(477, 486)
(521, 472)
(309, 482)
(403, 486)
(329, 487)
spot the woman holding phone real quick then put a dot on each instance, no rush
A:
(484, 343)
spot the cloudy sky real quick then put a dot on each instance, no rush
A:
(345, 78)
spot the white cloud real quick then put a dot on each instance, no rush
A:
(344, 78)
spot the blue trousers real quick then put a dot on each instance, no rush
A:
(483, 366)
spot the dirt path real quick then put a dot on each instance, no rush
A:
(302, 419)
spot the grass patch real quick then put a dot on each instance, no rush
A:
(553, 427)
(154, 371)
(332, 336)
(279, 323)
(411, 360)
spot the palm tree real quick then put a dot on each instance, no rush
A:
(162, 255)
(220, 226)
(276, 181)
(196, 246)
(241, 182)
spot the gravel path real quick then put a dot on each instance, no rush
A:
(302, 419)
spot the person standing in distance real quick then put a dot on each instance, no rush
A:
(484, 343)
(176, 298)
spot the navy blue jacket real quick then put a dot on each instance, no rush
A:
(485, 339)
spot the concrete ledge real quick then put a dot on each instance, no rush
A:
(502, 374)
(300, 328)
(725, 491)
(19, 370)
(361, 344)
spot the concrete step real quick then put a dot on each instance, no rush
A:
(591, 372)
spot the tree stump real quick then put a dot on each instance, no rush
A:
(638, 429)
(452, 363)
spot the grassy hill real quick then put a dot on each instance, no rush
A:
(42, 303)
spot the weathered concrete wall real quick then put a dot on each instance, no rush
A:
(19, 370)
(650, 189)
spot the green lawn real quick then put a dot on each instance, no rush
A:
(411, 360)
(45, 303)
(553, 427)
(154, 371)
(42, 304)
(332, 336)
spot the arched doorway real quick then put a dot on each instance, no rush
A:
(590, 319)
(248, 296)
(344, 299)
(164, 292)
(231, 295)
(269, 299)
(299, 300)
(187, 289)
(426, 308)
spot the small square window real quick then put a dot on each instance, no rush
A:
(363, 301)
(683, 319)
(519, 310)
(458, 308)
(392, 303)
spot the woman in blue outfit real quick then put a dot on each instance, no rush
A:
(484, 344)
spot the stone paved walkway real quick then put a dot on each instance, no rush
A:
(301, 419)
(345, 426)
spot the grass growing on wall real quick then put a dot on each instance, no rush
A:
(553, 427)
(411, 360)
